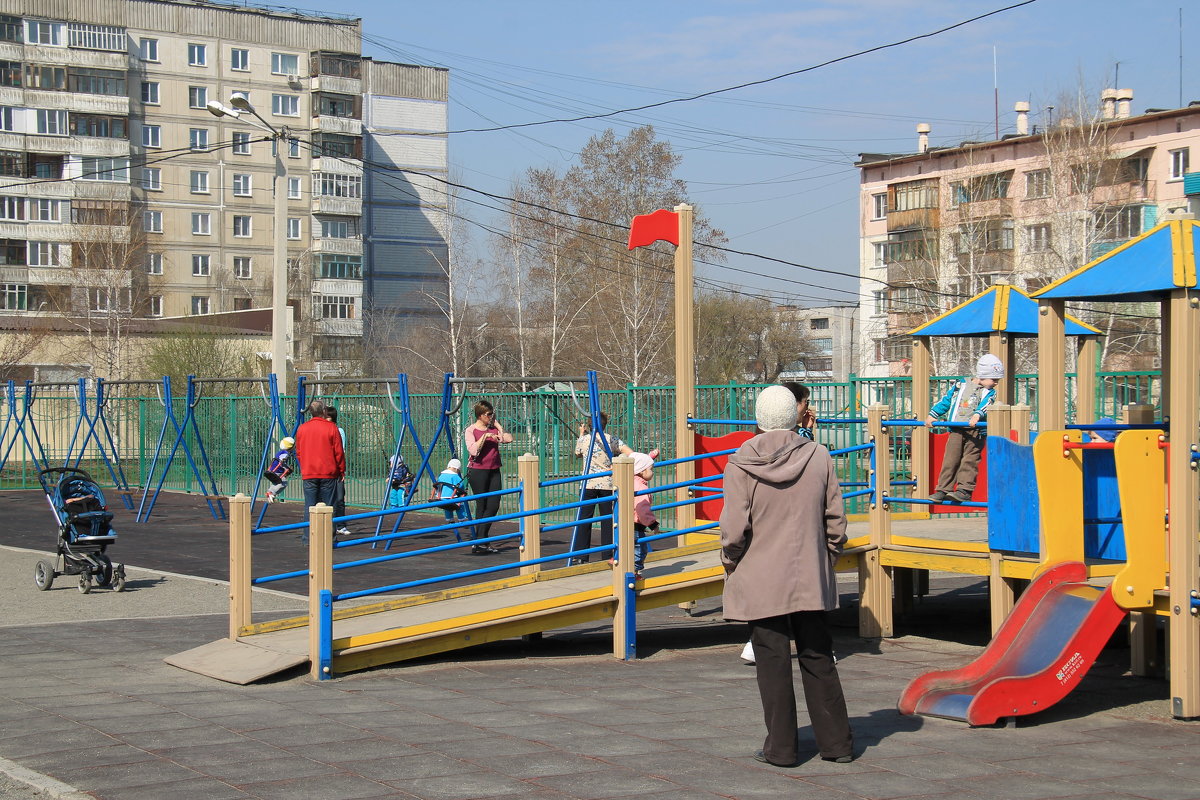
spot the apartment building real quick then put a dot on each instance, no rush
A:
(942, 224)
(123, 195)
(830, 332)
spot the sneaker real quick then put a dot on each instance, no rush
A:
(748, 653)
(960, 496)
(938, 497)
(343, 531)
(838, 759)
(759, 755)
(484, 549)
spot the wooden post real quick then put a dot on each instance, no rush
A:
(1184, 514)
(1085, 380)
(875, 584)
(320, 576)
(1002, 595)
(1000, 344)
(1051, 365)
(241, 603)
(531, 500)
(624, 537)
(1020, 422)
(921, 403)
(685, 368)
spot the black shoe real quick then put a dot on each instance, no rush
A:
(483, 550)
(839, 759)
(960, 496)
(759, 755)
(938, 497)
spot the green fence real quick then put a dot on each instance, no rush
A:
(233, 428)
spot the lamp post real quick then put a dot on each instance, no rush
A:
(239, 103)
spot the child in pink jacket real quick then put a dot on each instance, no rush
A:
(643, 516)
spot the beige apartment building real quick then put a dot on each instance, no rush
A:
(940, 225)
(123, 196)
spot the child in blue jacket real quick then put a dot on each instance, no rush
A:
(967, 402)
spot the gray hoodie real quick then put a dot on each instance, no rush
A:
(782, 527)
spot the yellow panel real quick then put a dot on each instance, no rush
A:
(1000, 309)
(1142, 483)
(938, 562)
(941, 544)
(1060, 489)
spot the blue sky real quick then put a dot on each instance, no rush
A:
(771, 165)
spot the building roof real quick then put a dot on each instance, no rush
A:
(998, 309)
(1145, 268)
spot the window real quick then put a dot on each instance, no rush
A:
(201, 224)
(894, 348)
(336, 145)
(242, 184)
(881, 253)
(201, 265)
(12, 209)
(1117, 224)
(239, 59)
(42, 165)
(154, 306)
(46, 210)
(241, 268)
(879, 300)
(294, 188)
(13, 296)
(1179, 163)
(913, 245)
(241, 143)
(96, 37)
(983, 187)
(10, 28)
(154, 264)
(339, 266)
(1134, 169)
(819, 324)
(337, 105)
(37, 32)
(1037, 183)
(6, 118)
(913, 195)
(51, 122)
(285, 105)
(340, 65)
(1037, 238)
(197, 96)
(40, 76)
(148, 49)
(293, 148)
(152, 179)
(284, 64)
(339, 228)
(242, 226)
(199, 305)
(197, 55)
(96, 81)
(198, 138)
(12, 252)
(909, 300)
(100, 299)
(99, 212)
(10, 73)
(824, 346)
(110, 170)
(333, 307)
(199, 182)
(152, 136)
(241, 304)
(329, 184)
(293, 228)
(879, 205)
(150, 93)
(44, 254)
(98, 126)
(152, 221)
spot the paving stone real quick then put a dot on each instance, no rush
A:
(321, 787)
(422, 765)
(103, 779)
(266, 769)
(534, 765)
(198, 789)
(1020, 786)
(464, 787)
(1152, 787)
(90, 757)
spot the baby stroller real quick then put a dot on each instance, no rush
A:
(84, 531)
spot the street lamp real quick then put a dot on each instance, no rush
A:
(241, 103)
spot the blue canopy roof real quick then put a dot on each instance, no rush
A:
(1145, 268)
(1001, 308)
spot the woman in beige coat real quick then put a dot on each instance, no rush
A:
(782, 528)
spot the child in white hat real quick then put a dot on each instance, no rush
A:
(968, 402)
(277, 473)
(449, 486)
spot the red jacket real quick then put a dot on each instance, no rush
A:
(319, 450)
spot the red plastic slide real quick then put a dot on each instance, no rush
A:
(1041, 652)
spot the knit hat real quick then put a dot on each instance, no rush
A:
(642, 462)
(775, 409)
(989, 366)
(287, 443)
(454, 463)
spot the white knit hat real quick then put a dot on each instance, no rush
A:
(454, 463)
(989, 366)
(642, 462)
(775, 409)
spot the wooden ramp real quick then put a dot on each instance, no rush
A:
(419, 625)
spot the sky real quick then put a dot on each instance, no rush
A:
(771, 165)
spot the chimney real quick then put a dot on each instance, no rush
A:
(1124, 98)
(1108, 104)
(1022, 109)
(923, 137)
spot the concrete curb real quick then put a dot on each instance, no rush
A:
(42, 783)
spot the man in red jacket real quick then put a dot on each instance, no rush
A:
(322, 459)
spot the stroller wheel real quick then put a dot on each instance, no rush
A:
(43, 575)
(85, 583)
(104, 572)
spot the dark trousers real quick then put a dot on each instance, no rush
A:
(484, 480)
(772, 638)
(339, 499)
(960, 462)
(320, 490)
(582, 538)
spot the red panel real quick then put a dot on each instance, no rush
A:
(937, 449)
(715, 465)
(649, 228)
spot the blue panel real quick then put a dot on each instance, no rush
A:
(1149, 217)
(1013, 508)
(1101, 501)
(1191, 183)
(973, 318)
(1141, 271)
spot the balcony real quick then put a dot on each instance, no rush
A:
(110, 104)
(343, 125)
(341, 166)
(914, 218)
(1128, 192)
(14, 274)
(344, 206)
(336, 287)
(55, 276)
(346, 247)
(339, 327)
(980, 209)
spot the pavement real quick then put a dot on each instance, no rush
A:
(89, 709)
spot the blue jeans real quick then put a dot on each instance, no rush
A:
(320, 490)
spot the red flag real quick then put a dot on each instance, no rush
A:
(650, 228)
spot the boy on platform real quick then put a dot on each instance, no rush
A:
(967, 402)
